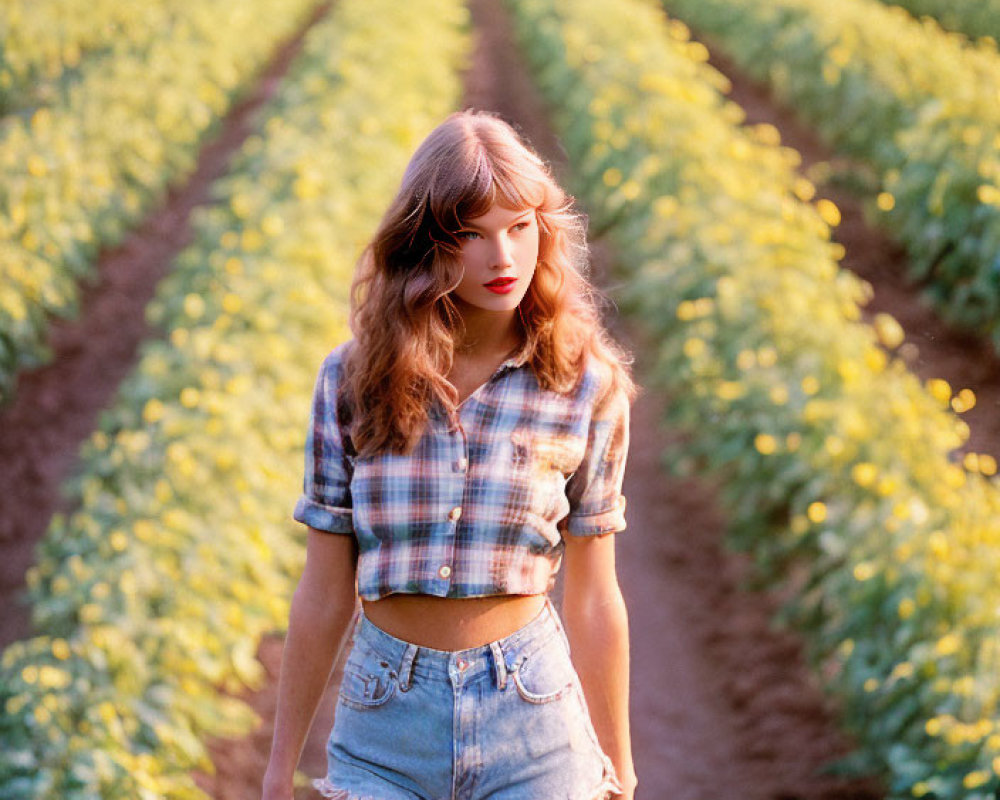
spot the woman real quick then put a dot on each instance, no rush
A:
(470, 437)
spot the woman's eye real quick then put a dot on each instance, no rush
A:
(466, 234)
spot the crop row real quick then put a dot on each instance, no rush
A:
(974, 18)
(79, 172)
(154, 593)
(920, 105)
(837, 465)
(46, 41)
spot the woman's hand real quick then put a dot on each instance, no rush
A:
(628, 792)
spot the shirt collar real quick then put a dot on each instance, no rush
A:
(518, 358)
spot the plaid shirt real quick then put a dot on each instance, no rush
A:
(480, 505)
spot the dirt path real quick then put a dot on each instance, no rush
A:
(56, 407)
(722, 705)
(937, 351)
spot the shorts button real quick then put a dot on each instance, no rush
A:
(455, 513)
(462, 664)
(445, 571)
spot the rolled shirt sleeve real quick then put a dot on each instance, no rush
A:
(325, 503)
(595, 490)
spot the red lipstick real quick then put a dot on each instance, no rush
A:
(501, 285)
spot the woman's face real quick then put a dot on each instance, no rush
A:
(499, 251)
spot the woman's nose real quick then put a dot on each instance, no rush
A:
(503, 255)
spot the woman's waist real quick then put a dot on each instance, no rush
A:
(452, 623)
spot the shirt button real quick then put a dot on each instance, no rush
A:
(455, 513)
(461, 464)
(445, 571)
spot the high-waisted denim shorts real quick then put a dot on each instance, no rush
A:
(505, 721)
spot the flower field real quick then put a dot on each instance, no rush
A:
(84, 160)
(191, 473)
(921, 106)
(845, 478)
(836, 460)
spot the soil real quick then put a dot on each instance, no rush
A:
(722, 701)
(55, 407)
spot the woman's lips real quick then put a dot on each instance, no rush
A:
(501, 285)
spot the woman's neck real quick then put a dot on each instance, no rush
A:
(488, 335)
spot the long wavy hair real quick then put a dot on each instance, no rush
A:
(403, 318)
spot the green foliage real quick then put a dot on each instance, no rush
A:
(917, 103)
(182, 553)
(104, 149)
(975, 18)
(837, 465)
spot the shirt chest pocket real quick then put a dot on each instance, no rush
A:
(542, 462)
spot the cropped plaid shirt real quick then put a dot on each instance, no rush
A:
(480, 505)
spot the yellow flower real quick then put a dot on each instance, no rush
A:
(778, 394)
(686, 311)
(864, 571)
(810, 385)
(871, 685)
(963, 401)
(875, 359)
(974, 780)
(816, 512)
(152, 411)
(272, 225)
(804, 189)
(730, 390)
(612, 176)
(631, 190)
(194, 306)
(60, 649)
(948, 645)
(746, 359)
(767, 356)
(885, 201)
(890, 332)
(36, 166)
(834, 445)
(864, 473)
(190, 397)
(906, 608)
(665, 206)
(765, 443)
(940, 390)
(51, 677)
(904, 669)
(693, 348)
(828, 211)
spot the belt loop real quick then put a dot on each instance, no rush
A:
(406, 667)
(499, 665)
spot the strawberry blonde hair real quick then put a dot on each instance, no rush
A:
(404, 321)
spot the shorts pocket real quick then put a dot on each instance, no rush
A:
(544, 674)
(369, 680)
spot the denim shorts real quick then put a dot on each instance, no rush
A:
(505, 721)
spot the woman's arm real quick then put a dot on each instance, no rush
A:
(322, 609)
(597, 627)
